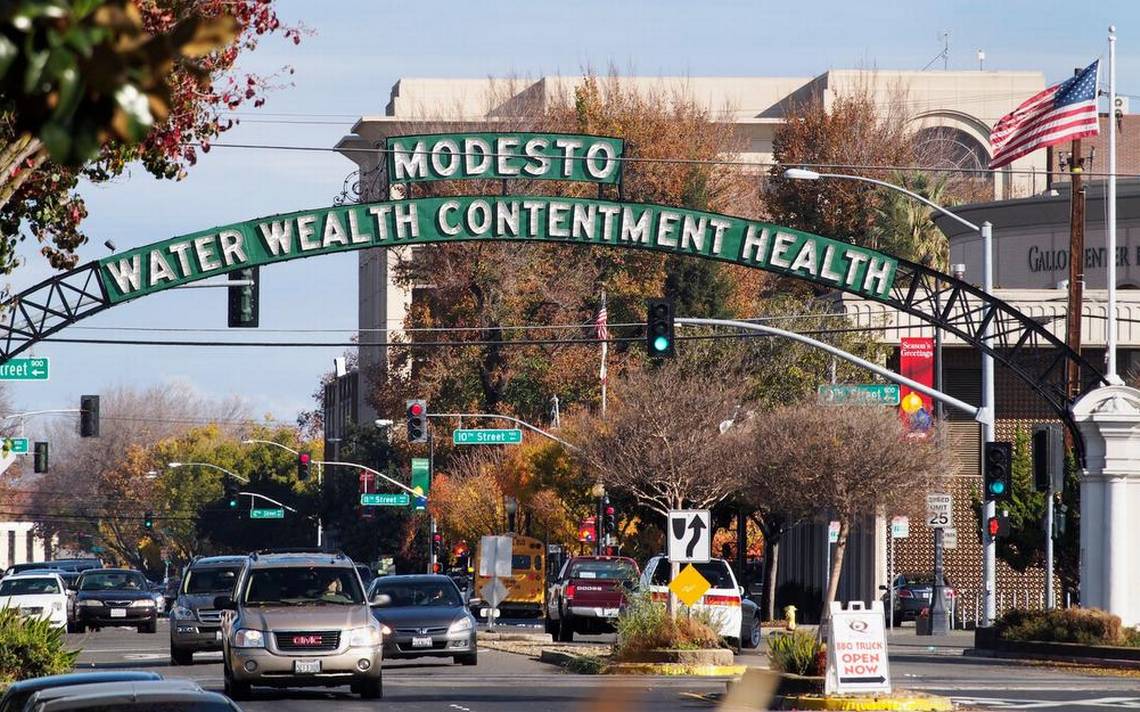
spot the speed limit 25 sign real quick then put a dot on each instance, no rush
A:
(939, 511)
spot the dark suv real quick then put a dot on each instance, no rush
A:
(195, 625)
(300, 619)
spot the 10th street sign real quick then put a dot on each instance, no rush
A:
(490, 436)
(24, 369)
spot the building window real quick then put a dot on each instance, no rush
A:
(968, 159)
(30, 546)
(12, 548)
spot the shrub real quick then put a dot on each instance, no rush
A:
(646, 625)
(1087, 626)
(31, 648)
(798, 653)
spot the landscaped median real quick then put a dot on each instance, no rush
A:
(1071, 635)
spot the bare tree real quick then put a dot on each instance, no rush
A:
(846, 462)
(661, 440)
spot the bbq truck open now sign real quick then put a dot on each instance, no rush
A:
(856, 650)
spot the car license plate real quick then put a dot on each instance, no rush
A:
(421, 642)
(610, 612)
(306, 667)
(118, 612)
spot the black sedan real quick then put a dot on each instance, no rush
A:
(913, 593)
(114, 597)
(424, 616)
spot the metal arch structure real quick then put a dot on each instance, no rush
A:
(1034, 355)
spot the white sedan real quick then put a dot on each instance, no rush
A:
(39, 595)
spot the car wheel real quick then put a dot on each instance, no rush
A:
(551, 627)
(149, 627)
(178, 656)
(234, 689)
(371, 689)
(752, 639)
(468, 659)
(565, 630)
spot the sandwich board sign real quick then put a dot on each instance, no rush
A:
(856, 650)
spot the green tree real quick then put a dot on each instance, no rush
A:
(905, 227)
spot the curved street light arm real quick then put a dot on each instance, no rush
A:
(236, 476)
(912, 194)
(381, 475)
(268, 499)
(250, 441)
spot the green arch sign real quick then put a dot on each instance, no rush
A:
(522, 218)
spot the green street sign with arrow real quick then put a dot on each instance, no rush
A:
(24, 369)
(274, 513)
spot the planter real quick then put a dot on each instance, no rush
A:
(988, 644)
(792, 685)
(713, 656)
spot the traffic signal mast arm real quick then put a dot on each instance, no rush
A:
(267, 499)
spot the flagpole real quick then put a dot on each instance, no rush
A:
(1110, 321)
(605, 352)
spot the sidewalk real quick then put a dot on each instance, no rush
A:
(904, 641)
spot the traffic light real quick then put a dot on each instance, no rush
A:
(417, 421)
(88, 416)
(304, 459)
(659, 327)
(998, 471)
(148, 520)
(231, 493)
(1048, 456)
(40, 463)
(998, 525)
(609, 522)
(243, 300)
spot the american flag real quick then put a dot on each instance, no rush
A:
(1063, 112)
(602, 330)
(601, 324)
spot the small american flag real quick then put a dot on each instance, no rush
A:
(602, 330)
(1063, 112)
(601, 325)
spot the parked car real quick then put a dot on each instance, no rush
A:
(588, 594)
(299, 620)
(114, 597)
(424, 616)
(195, 625)
(177, 695)
(36, 595)
(16, 696)
(722, 601)
(913, 593)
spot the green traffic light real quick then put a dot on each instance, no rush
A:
(661, 343)
(997, 487)
(233, 503)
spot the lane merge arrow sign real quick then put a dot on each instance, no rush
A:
(24, 369)
(690, 536)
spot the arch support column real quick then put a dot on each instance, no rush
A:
(1109, 420)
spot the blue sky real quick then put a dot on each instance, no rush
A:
(362, 47)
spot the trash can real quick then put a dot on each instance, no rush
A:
(922, 623)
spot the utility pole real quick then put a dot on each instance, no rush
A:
(1076, 272)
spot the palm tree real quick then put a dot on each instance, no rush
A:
(904, 227)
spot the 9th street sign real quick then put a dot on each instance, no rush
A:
(504, 436)
(380, 499)
(24, 369)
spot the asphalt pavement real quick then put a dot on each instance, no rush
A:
(505, 681)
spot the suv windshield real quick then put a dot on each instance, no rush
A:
(440, 594)
(606, 570)
(211, 580)
(28, 587)
(112, 581)
(300, 585)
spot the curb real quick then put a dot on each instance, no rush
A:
(554, 657)
(674, 670)
(902, 703)
(517, 637)
(1048, 658)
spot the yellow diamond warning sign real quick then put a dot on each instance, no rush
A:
(689, 585)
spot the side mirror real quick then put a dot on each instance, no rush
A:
(882, 588)
(380, 599)
(741, 589)
(474, 602)
(225, 603)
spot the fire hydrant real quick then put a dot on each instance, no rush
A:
(790, 617)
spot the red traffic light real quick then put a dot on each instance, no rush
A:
(437, 537)
(436, 568)
(304, 458)
(993, 526)
(416, 408)
(610, 511)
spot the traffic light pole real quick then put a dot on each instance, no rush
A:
(989, 546)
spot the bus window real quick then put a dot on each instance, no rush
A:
(520, 561)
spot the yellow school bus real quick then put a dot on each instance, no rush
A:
(526, 588)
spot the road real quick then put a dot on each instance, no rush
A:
(504, 681)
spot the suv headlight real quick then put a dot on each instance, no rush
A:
(143, 603)
(89, 602)
(249, 638)
(365, 637)
(182, 613)
(460, 626)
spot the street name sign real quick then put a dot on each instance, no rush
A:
(856, 650)
(900, 527)
(379, 499)
(24, 369)
(16, 446)
(276, 513)
(690, 536)
(939, 510)
(493, 436)
(689, 585)
(950, 538)
(858, 394)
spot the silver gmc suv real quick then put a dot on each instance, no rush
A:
(299, 619)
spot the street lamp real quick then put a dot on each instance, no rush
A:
(512, 506)
(986, 412)
(598, 491)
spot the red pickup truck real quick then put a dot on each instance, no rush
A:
(588, 594)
